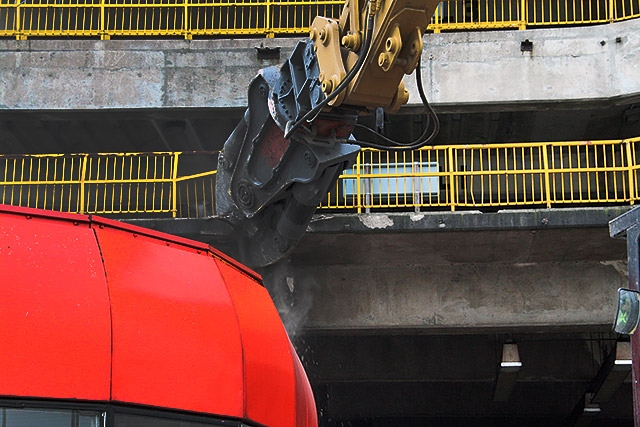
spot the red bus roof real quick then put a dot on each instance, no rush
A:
(98, 310)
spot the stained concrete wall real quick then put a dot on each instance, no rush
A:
(452, 298)
(499, 276)
(566, 64)
(126, 74)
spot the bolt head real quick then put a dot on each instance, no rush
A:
(309, 159)
(245, 195)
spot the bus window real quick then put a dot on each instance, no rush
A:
(30, 417)
(135, 420)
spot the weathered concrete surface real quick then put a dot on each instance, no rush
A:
(503, 296)
(485, 68)
(568, 65)
(523, 236)
(131, 74)
(504, 219)
(535, 270)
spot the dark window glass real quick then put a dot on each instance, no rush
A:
(130, 420)
(16, 417)
(48, 414)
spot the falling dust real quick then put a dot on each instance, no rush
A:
(293, 298)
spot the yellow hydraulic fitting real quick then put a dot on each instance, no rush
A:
(326, 83)
(401, 97)
(324, 35)
(327, 86)
(392, 45)
(384, 61)
(374, 6)
(352, 41)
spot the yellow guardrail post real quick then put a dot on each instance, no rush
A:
(268, 26)
(358, 185)
(437, 19)
(547, 181)
(523, 15)
(18, 23)
(174, 185)
(83, 171)
(368, 197)
(612, 10)
(103, 28)
(185, 24)
(630, 173)
(452, 186)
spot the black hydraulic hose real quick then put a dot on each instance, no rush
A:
(422, 139)
(430, 113)
(289, 129)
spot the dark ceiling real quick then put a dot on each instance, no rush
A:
(450, 380)
(198, 130)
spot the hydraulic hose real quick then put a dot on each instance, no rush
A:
(422, 139)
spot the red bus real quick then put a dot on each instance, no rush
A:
(104, 324)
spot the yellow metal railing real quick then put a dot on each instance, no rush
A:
(440, 177)
(494, 175)
(140, 183)
(188, 18)
(495, 14)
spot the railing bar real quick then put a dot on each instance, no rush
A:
(146, 187)
(164, 164)
(64, 161)
(187, 199)
(121, 186)
(112, 184)
(153, 191)
(204, 200)
(137, 204)
(130, 184)
(29, 187)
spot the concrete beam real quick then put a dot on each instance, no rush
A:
(461, 298)
(460, 69)
(505, 219)
(568, 65)
(128, 74)
(498, 278)
(524, 236)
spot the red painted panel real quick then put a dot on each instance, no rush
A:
(187, 328)
(306, 413)
(54, 307)
(268, 363)
(105, 222)
(176, 341)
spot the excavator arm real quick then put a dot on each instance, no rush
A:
(295, 137)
